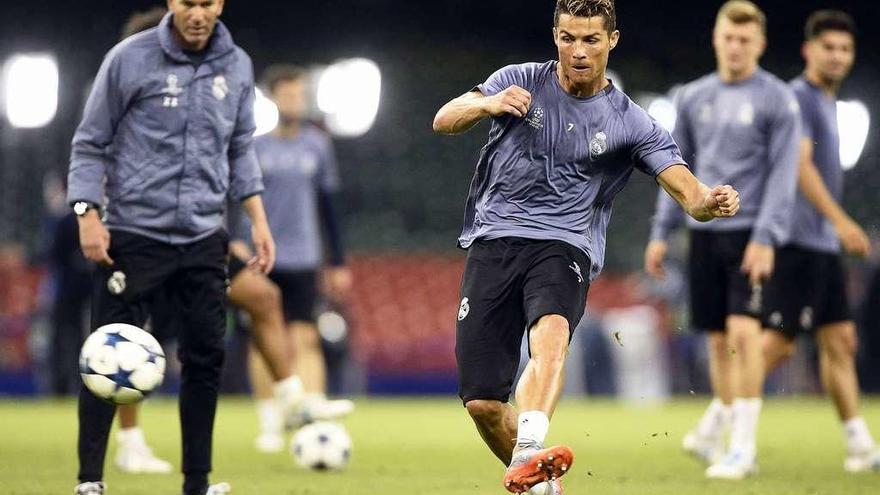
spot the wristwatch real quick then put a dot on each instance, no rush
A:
(83, 207)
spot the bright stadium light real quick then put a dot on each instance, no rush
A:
(348, 95)
(30, 89)
(265, 113)
(663, 111)
(853, 123)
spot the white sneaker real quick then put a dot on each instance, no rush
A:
(324, 410)
(89, 488)
(863, 461)
(269, 443)
(133, 455)
(707, 450)
(219, 489)
(734, 466)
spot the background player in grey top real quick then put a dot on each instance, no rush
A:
(808, 289)
(563, 141)
(166, 137)
(302, 183)
(740, 126)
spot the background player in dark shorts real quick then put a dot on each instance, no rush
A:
(739, 125)
(808, 293)
(302, 183)
(563, 142)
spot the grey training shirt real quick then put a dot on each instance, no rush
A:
(819, 124)
(554, 173)
(746, 134)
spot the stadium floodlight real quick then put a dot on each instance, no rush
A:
(348, 95)
(853, 123)
(30, 89)
(663, 111)
(265, 114)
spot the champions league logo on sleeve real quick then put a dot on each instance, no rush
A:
(599, 143)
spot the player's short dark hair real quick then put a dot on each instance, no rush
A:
(281, 73)
(141, 21)
(828, 20)
(742, 12)
(587, 8)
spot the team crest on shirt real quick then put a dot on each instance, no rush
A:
(219, 87)
(599, 143)
(536, 118)
(172, 90)
(746, 114)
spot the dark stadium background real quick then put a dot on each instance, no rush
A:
(404, 187)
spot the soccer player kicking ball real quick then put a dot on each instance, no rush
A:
(808, 290)
(740, 125)
(563, 143)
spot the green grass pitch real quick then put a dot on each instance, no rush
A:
(423, 446)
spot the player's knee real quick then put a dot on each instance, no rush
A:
(549, 337)
(268, 298)
(841, 345)
(307, 335)
(485, 411)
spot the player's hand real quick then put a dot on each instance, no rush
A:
(337, 282)
(757, 262)
(655, 254)
(514, 101)
(264, 247)
(853, 238)
(94, 238)
(722, 201)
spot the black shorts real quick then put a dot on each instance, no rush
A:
(180, 288)
(299, 293)
(508, 284)
(717, 286)
(235, 266)
(807, 291)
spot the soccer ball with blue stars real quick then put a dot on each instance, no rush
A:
(121, 363)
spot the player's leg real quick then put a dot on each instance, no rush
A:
(838, 341)
(744, 330)
(198, 289)
(554, 295)
(778, 348)
(299, 290)
(133, 455)
(141, 261)
(488, 337)
(837, 349)
(277, 390)
(708, 297)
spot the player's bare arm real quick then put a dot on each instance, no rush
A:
(697, 199)
(464, 112)
(264, 245)
(852, 236)
(94, 238)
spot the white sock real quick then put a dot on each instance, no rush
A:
(287, 388)
(129, 436)
(269, 416)
(745, 425)
(858, 438)
(715, 420)
(532, 427)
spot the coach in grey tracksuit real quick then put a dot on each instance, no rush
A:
(166, 136)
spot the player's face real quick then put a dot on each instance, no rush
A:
(583, 45)
(194, 21)
(738, 46)
(831, 55)
(291, 99)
